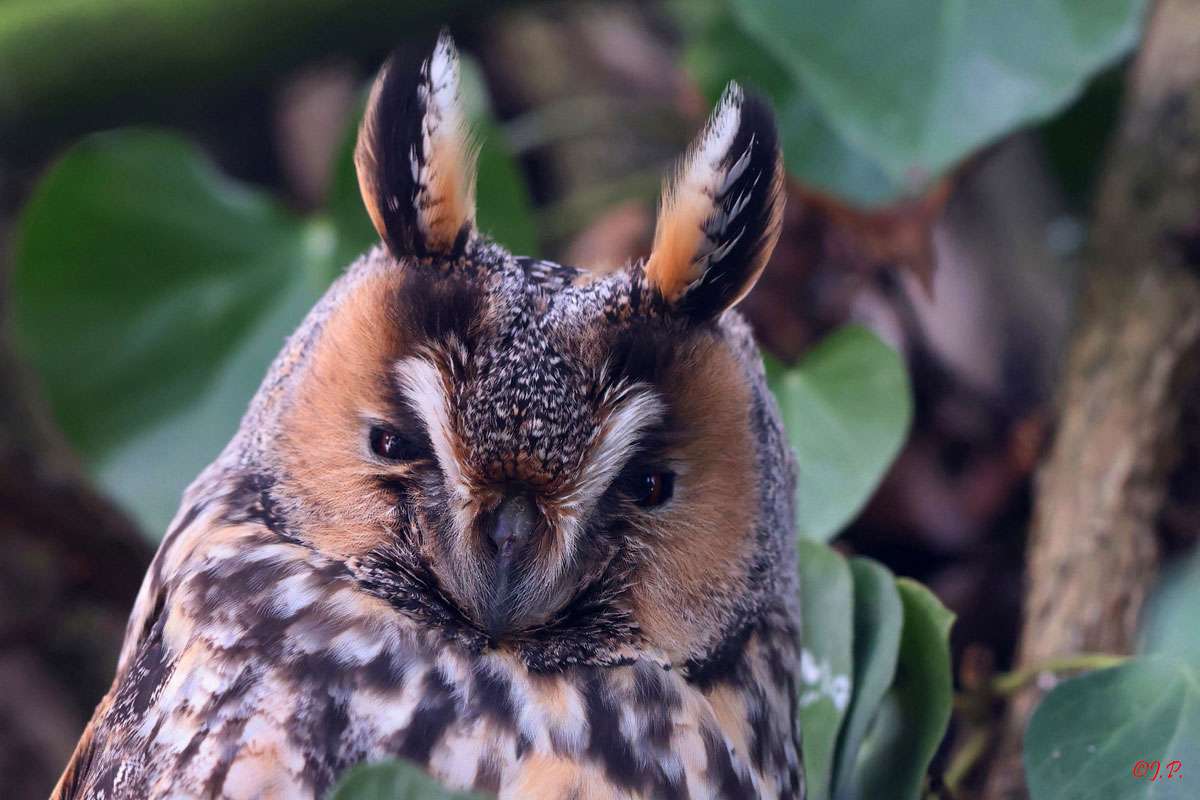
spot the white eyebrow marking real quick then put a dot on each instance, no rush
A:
(641, 409)
(421, 382)
(638, 409)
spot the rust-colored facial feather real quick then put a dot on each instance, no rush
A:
(698, 548)
(325, 454)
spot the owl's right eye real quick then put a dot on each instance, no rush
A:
(392, 445)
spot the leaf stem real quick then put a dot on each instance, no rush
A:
(965, 759)
(1009, 683)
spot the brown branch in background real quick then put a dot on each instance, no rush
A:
(1130, 370)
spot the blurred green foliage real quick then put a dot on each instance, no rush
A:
(874, 694)
(150, 292)
(915, 711)
(878, 99)
(392, 780)
(826, 659)
(68, 63)
(1169, 625)
(878, 620)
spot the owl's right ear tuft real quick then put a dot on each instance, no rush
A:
(720, 217)
(414, 158)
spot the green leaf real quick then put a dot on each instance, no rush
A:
(847, 407)
(150, 293)
(393, 780)
(826, 659)
(914, 714)
(1087, 737)
(1169, 622)
(918, 86)
(878, 618)
(719, 51)
(825, 161)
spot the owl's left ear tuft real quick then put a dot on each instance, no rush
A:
(414, 158)
(720, 217)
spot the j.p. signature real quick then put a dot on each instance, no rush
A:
(1151, 770)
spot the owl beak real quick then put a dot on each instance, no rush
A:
(513, 524)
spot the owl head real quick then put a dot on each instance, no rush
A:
(532, 456)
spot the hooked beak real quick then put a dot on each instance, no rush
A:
(511, 529)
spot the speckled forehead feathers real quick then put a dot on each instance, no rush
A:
(527, 410)
(532, 364)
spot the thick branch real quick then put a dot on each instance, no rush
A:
(1130, 369)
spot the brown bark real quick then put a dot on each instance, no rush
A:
(1130, 370)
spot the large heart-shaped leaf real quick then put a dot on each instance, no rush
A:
(393, 780)
(913, 716)
(150, 293)
(826, 659)
(878, 618)
(918, 86)
(1131, 732)
(847, 407)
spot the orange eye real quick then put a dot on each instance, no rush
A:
(654, 488)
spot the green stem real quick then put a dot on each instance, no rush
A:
(1010, 682)
(965, 759)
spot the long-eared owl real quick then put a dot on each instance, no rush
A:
(523, 524)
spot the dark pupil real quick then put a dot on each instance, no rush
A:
(389, 444)
(654, 489)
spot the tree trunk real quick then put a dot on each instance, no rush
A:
(1130, 369)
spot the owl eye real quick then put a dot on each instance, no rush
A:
(391, 444)
(652, 488)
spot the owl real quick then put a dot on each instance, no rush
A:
(525, 525)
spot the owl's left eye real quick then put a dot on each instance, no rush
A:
(391, 444)
(652, 488)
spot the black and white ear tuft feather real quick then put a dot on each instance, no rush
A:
(415, 162)
(721, 214)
